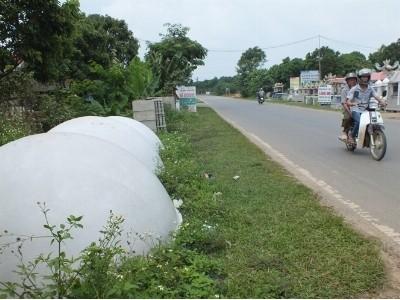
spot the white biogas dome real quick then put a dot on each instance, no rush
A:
(117, 133)
(142, 129)
(78, 175)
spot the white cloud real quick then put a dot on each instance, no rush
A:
(240, 24)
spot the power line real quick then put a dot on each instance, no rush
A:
(347, 43)
(269, 47)
(284, 45)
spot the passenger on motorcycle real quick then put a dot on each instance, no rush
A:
(358, 99)
(351, 80)
(260, 93)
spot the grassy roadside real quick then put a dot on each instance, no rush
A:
(266, 232)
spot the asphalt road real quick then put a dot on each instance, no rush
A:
(308, 138)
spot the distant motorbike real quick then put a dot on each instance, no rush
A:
(370, 133)
(261, 100)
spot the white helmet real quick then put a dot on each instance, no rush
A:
(364, 73)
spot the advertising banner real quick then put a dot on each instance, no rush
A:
(294, 83)
(187, 97)
(325, 94)
(309, 76)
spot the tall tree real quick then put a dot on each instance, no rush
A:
(103, 40)
(329, 60)
(175, 57)
(36, 33)
(350, 62)
(251, 59)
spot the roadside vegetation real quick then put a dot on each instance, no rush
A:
(86, 65)
(249, 231)
(275, 239)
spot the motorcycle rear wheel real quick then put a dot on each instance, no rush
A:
(379, 151)
(350, 147)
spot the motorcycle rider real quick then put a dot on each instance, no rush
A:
(351, 80)
(358, 99)
(260, 94)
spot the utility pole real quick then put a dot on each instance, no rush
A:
(319, 56)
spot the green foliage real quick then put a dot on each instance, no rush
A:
(37, 33)
(12, 128)
(391, 52)
(61, 273)
(175, 57)
(329, 61)
(251, 59)
(102, 40)
(62, 105)
(350, 62)
(143, 83)
(116, 86)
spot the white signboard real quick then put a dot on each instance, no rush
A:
(185, 92)
(325, 94)
(309, 76)
(187, 97)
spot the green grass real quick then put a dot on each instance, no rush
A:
(278, 240)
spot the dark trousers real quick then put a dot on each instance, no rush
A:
(356, 115)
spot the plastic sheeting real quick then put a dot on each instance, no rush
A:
(117, 133)
(79, 175)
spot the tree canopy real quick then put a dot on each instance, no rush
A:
(251, 59)
(175, 57)
(37, 33)
(391, 52)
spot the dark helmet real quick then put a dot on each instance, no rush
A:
(350, 76)
(365, 73)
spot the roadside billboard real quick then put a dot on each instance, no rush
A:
(325, 94)
(309, 76)
(294, 83)
(187, 97)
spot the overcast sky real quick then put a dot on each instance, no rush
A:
(240, 24)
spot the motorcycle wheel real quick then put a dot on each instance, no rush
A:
(379, 151)
(350, 147)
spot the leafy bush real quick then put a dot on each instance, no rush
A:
(62, 105)
(12, 128)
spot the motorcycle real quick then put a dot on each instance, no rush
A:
(370, 133)
(261, 100)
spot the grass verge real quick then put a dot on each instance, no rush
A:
(268, 233)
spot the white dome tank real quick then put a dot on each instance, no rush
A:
(78, 175)
(116, 133)
(147, 133)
